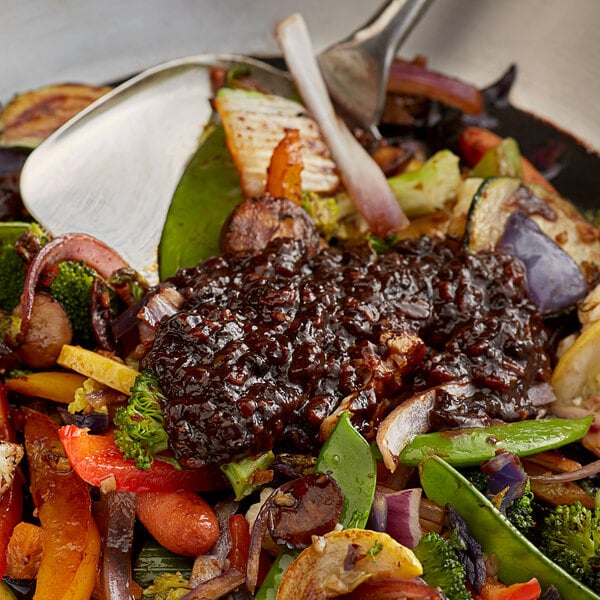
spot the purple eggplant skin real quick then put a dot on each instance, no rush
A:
(555, 283)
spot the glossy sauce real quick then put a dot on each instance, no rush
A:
(269, 344)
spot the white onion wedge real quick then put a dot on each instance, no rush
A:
(363, 179)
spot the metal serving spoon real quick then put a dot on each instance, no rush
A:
(111, 171)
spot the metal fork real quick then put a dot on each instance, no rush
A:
(356, 69)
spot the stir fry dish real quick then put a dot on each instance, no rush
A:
(376, 390)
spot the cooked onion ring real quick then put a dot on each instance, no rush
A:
(71, 246)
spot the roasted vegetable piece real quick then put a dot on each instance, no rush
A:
(24, 551)
(12, 277)
(502, 159)
(441, 566)
(428, 188)
(284, 174)
(241, 473)
(11, 501)
(70, 538)
(180, 521)
(31, 117)
(140, 432)
(255, 123)
(474, 142)
(471, 446)
(519, 558)
(571, 538)
(98, 461)
(58, 386)
(339, 561)
(103, 369)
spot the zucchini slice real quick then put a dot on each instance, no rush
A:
(492, 205)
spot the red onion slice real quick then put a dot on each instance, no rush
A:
(590, 469)
(409, 78)
(119, 512)
(71, 246)
(363, 179)
(398, 513)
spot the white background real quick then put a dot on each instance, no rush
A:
(556, 43)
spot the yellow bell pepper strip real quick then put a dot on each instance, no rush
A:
(519, 559)
(70, 538)
(57, 386)
(11, 502)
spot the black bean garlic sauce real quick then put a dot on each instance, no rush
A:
(269, 344)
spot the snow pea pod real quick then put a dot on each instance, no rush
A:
(207, 192)
(471, 446)
(519, 559)
(348, 458)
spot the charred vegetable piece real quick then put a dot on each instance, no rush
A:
(498, 197)
(430, 187)
(348, 458)
(105, 370)
(554, 280)
(341, 560)
(518, 557)
(31, 117)
(502, 159)
(304, 507)
(99, 462)
(255, 123)
(70, 538)
(471, 446)
(194, 221)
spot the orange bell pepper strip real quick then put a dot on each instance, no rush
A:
(57, 386)
(99, 462)
(11, 502)
(474, 142)
(70, 537)
(284, 175)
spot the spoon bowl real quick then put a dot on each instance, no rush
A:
(111, 171)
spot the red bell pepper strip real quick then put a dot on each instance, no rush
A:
(70, 537)
(529, 590)
(11, 502)
(98, 460)
(474, 142)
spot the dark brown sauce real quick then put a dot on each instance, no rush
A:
(269, 344)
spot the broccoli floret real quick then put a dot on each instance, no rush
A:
(72, 287)
(520, 512)
(140, 433)
(241, 474)
(441, 566)
(571, 538)
(12, 277)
